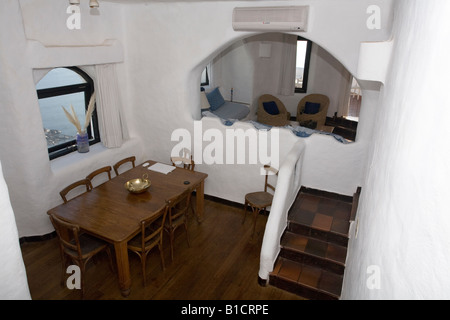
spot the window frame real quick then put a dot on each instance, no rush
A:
(304, 87)
(207, 77)
(88, 89)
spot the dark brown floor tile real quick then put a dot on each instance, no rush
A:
(310, 276)
(336, 253)
(322, 222)
(326, 205)
(341, 213)
(295, 241)
(330, 282)
(290, 270)
(303, 217)
(317, 248)
(340, 226)
(295, 206)
(309, 203)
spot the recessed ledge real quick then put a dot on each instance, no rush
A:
(374, 60)
(41, 56)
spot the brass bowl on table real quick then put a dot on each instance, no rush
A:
(138, 185)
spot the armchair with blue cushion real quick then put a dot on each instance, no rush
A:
(313, 108)
(271, 111)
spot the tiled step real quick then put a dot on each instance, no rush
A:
(305, 280)
(314, 252)
(320, 217)
(312, 232)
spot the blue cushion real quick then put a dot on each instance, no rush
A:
(271, 108)
(215, 99)
(312, 107)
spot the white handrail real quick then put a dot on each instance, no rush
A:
(287, 188)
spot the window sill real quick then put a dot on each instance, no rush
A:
(97, 154)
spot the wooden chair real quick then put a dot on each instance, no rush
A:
(260, 200)
(183, 162)
(151, 236)
(131, 159)
(84, 182)
(187, 163)
(77, 248)
(95, 173)
(177, 216)
(280, 119)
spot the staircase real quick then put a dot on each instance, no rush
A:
(311, 262)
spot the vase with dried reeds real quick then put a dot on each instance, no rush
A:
(82, 135)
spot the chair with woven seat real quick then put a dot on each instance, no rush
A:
(150, 237)
(131, 160)
(77, 248)
(83, 182)
(185, 162)
(271, 111)
(260, 200)
(313, 108)
(95, 173)
(177, 216)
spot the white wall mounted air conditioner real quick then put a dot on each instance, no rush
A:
(290, 18)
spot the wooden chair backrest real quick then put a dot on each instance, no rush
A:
(95, 173)
(267, 184)
(131, 159)
(185, 161)
(178, 206)
(68, 235)
(83, 182)
(152, 229)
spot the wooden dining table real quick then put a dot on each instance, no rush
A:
(110, 212)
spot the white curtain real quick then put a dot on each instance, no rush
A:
(109, 107)
(288, 65)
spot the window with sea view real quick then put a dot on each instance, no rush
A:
(65, 87)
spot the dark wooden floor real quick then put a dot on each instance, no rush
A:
(221, 264)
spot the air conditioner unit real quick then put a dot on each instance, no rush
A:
(291, 18)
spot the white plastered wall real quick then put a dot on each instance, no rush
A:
(12, 276)
(399, 248)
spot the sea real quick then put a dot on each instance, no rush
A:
(58, 129)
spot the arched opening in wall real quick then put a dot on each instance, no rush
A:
(267, 63)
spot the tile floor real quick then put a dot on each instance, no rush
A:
(324, 217)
